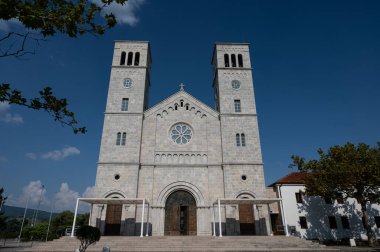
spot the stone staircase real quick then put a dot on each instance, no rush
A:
(185, 243)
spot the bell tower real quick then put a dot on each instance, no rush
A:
(234, 99)
(126, 102)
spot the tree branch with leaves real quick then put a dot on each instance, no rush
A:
(44, 18)
(54, 106)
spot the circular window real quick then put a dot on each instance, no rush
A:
(117, 177)
(181, 133)
(127, 82)
(235, 84)
(243, 177)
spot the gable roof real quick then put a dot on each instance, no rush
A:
(292, 178)
(178, 95)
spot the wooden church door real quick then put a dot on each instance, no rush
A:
(180, 214)
(113, 220)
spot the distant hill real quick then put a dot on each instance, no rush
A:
(15, 212)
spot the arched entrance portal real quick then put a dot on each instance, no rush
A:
(113, 218)
(246, 219)
(180, 214)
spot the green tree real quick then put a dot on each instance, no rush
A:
(61, 222)
(36, 233)
(44, 18)
(351, 171)
(2, 202)
(82, 219)
(65, 219)
(87, 235)
(11, 230)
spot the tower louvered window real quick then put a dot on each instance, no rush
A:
(226, 60)
(122, 58)
(233, 60)
(137, 59)
(240, 60)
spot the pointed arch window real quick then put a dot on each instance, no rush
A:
(240, 60)
(237, 139)
(129, 60)
(233, 60)
(122, 58)
(226, 60)
(137, 59)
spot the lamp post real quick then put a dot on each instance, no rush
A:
(23, 220)
(51, 213)
(38, 207)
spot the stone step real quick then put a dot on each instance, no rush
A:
(188, 243)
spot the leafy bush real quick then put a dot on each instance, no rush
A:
(87, 235)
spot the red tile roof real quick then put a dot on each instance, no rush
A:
(292, 178)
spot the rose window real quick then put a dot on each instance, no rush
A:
(181, 133)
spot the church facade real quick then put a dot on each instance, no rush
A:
(180, 155)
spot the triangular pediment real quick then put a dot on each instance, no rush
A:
(181, 99)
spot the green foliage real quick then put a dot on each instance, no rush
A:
(2, 198)
(35, 233)
(65, 219)
(82, 219)
(60, 222)
(11, 229)
(351, 171)
(2, 202)
(48, 17)
(56, 107)
(87, 235)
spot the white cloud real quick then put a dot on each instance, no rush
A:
(4, 106)
(6, 25)
(125, 14)
(11, 118)
(31, 155)
(8, 117)
(34, 191)
(61, 154)
(89, 192)
(65, 199)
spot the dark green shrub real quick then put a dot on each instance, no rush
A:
(87, 235)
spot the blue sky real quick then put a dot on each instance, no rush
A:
(316, 70)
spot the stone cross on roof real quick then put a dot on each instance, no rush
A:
(181, 87)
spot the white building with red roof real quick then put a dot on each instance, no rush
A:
(321, 219)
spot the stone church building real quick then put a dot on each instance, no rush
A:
(188, 165)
